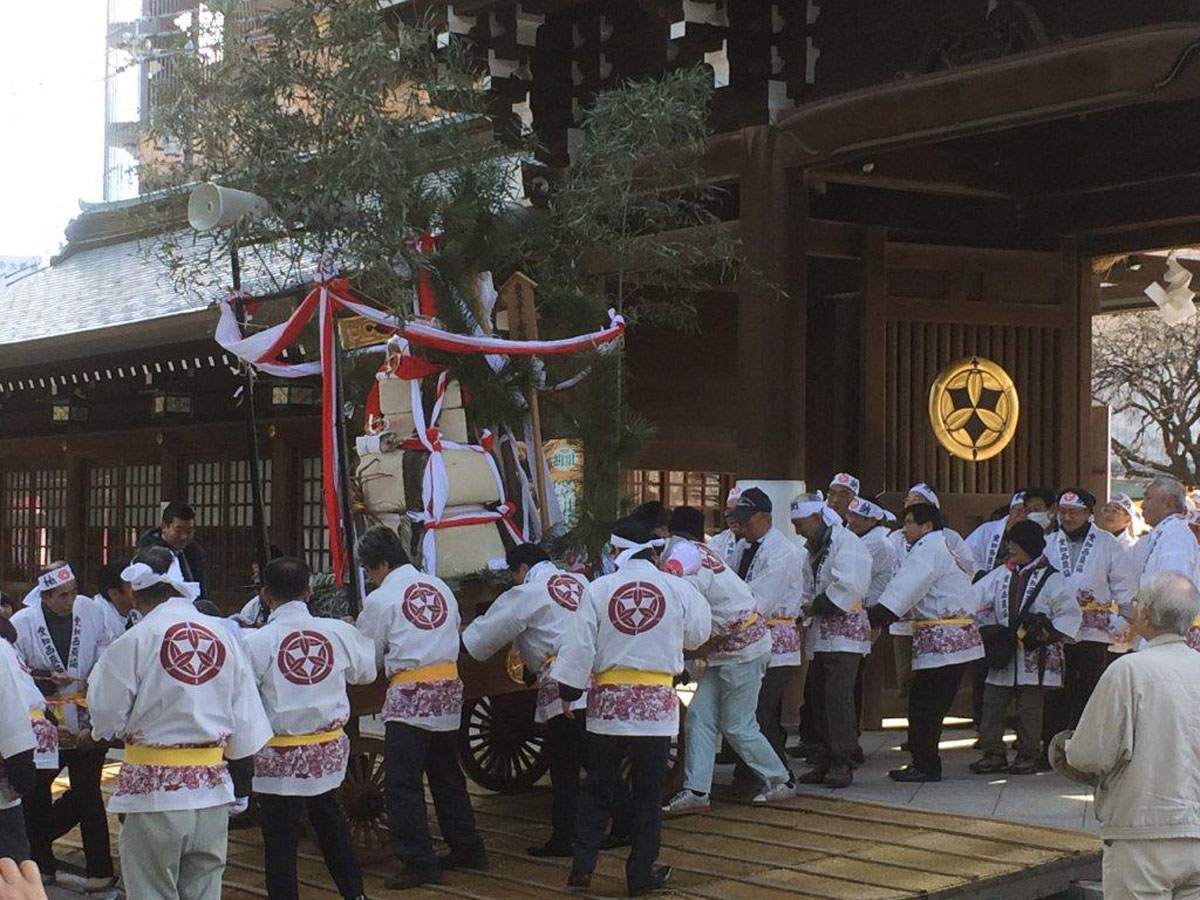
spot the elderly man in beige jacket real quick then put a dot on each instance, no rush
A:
(1140, 737)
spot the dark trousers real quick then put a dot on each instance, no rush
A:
(837, 726)
(648, 758)
(566, 745)
(281, 820)
(929, 700)
(82, 805)
(811, 709)
(979, 672)
(1029, 700)
(14, 843)
(410, 755)
(241, 773)
(1083, 665)
(770, 718)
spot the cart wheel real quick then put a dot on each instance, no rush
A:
(674, 780)
(500, 748)
(363, 802)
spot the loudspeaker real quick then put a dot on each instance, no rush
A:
(212, 206)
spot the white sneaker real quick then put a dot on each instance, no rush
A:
(774, 794)
(687, 803)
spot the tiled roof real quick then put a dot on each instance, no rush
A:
(126, 283)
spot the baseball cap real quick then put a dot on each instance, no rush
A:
(753, 500)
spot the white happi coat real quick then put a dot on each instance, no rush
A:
(413, 620)
(638, 618)
(958, 549)
(1170, 547)
(739, 632)
(985, 543)
(535, 616)
(17, 734)
(778, 576)
(250, 614)
(723, 543)
(302, 665)
(89, 637)
(844, 576)
(45, 754)
(933, 587)
(1044, 666)
(176, 680)
(878, 542)
(1100, 576)
(115, 623)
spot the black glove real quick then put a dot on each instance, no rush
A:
(823, 606)
(880, 616)
(21, 772)
(568, 693)
(1039, 631)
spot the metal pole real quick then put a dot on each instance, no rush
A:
(256, 494)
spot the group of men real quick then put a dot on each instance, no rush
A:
(1040, 598)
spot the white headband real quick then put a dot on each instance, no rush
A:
(1018, 499)
(1124, 501)
(140, 576)
(845, 480)
(927, 492)
(860, 506)
(1072, 500)
(55, 578)
(802, 509)
(629, 549)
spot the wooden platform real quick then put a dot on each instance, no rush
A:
(810, 848)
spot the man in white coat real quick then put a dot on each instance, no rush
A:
(114, 596)
(60, 639)
(18, 775)
(724, 541)
(625, 648)
(179, 692)
(1139, 741)
(536, 615)
(772, 564)
(726, 697)
(302, 665)
(1170, 546)
(413, 620)
(1100, 576)
(932, 586)
(838, 637)
(1025, 613)
(987, 541)
(867, 520)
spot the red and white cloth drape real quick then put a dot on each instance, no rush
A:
(264, 350)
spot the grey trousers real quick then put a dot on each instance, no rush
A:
(177, 855)
(837, 726)
(14, 843)
(1029, 720)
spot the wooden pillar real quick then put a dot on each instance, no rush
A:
(872, 425)
(770, 316)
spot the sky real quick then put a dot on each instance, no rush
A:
(51, 119)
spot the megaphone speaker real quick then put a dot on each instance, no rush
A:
(212, 206)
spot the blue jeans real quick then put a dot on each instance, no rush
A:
(726, 702)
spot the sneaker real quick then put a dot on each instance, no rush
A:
(839, 777)
(687, 803)
(989, 764)
(1023, 766)
(814, 776)
(785, 791)
(456, 860)
(658, 879)
(909, 775)
(578, 881)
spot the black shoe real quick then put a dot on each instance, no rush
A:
(456, 860)
(989, 765)
(614, 840)
(813, 776)
(803, 749)
(578, 881)
(839, 777)
(406, 879)
(658, 879)
(1023, 767)
(909, 775)
(549, 850)
(858, 757)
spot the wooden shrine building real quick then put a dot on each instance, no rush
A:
(926, 180)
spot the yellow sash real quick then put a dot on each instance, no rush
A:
(79, 699)
(1098, 607)
(36, 713)
(138, 755)
(780, 621)
(434, 672)
(746, 623)
(632, 676)
(931, 623)
(303, 740)
(1196, 622)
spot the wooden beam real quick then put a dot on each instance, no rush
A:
(1021, 314)
(1116, 208)
(832, 240)
(927, 170)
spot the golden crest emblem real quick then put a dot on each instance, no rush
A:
(973, 408)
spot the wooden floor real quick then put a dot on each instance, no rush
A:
(812, 848)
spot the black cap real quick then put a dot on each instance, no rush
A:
(753, 500)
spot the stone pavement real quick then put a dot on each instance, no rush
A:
(1045, 799)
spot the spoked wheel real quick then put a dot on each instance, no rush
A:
(501, 748)
(363, 799)
(674, 779)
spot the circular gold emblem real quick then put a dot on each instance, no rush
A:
(973, 408)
